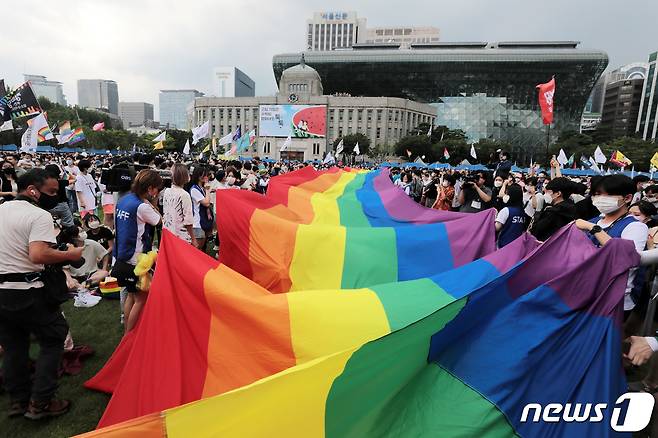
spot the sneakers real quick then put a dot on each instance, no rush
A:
(17, 409)
(52, 408)
(85, 299)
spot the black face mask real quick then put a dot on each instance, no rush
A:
(47, 202)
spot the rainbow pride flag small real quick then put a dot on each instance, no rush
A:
(77, 136)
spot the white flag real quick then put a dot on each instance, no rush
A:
(161, 137)
(599, 156)
(227, 139)
(473, 154)
(134, 147)
(429, 132)
(329, 159)
(286, 144)
(29, 139)
(200, 132)
(357, 151)
(7, 126)
(186, 148)
(562, 158)
(339, 148)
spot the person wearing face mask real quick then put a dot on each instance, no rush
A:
(136, 215)
(85, 189)
(8, 182)
(200, 192)
(559, 210)
(511, 220)
(612, 198)
(177, 206)
(641, 183)
(446, 193)
(651, 194)
(96, 261)
(27, 308)
(61, 210)
(98, 232)
(501, 180)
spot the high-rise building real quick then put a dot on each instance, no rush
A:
(232, 82)
(404, 35)
(42, 87)
(636, 70)
(173, 107)
(646, 122)
(99, 94)
(333, 30)
(485, 89)
(135, 113)
(621, 106)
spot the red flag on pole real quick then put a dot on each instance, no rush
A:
(546, 92)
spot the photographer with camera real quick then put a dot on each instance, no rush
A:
(474, 196)
(30, 297)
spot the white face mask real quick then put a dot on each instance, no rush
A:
(498, 184)
(651, 199)
(548, 198)
(505, 199)
(230, 180)
(606, 204)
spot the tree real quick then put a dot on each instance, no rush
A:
(350, 141)
(418, 145)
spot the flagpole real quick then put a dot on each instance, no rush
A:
(548, 141)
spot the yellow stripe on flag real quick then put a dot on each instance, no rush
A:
(325, 205)
(654, 160)
(362, 318)
(159, 145)
(317, 262)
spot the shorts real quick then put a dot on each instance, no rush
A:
(125, 275)
(108, 209)
(199, 233)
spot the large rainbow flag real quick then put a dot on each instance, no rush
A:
(337, 229)
(457, 354)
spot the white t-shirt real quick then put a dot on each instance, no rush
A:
(86, 186)
(146, 214)
(502, 215)
(177, 209)
(249, 182)
(93, 252)
(197, 197)
(20, 224)
(638, 232)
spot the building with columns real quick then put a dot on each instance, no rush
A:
(314, 120)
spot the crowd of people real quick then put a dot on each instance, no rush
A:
(100, 231)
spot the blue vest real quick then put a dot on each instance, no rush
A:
(125, 242)
(513, 227)
(615, 230)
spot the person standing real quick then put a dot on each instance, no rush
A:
(27, 241)
(136, 214)
(177, 206)
(474, 196)
(61, 210)
(85, 189)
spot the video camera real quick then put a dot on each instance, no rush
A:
(119, 177)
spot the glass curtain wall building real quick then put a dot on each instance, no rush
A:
(486, 89)
(647, 127)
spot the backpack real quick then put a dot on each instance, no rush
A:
(206, 215)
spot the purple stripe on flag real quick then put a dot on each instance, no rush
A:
(400, 207)
(501, 259)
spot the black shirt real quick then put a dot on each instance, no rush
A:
(101, 235)
(552, 218)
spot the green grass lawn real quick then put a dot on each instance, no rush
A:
(99, 328)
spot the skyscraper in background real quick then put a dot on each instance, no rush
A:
(101, 94)
(135, 113)
(403, 35)
(647, 125)
(333, 30)
(42, 87)
(174, 105)
(232, 82)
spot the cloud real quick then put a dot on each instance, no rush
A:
(148, 45)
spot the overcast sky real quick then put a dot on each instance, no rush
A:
(148, 45)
